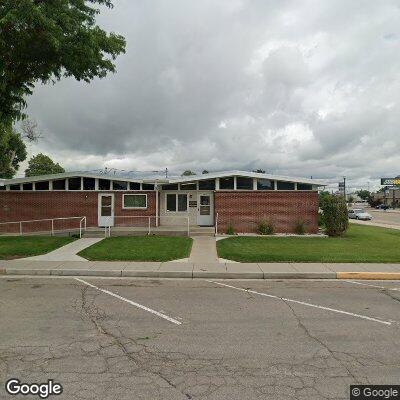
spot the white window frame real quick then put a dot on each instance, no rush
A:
(176, 202)
(133, 208)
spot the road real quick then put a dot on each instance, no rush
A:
(385, 218)
(183, 339)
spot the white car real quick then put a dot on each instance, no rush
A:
(359, 213)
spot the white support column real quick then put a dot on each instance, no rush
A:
(234, 183)
(96, 184)
(20, 186)
(216, 183)
(50, 185)
(81, 183)
(295, 186)
(33, 185)
(254, 183)
(7, 187)
(66, 183)
(275, 185)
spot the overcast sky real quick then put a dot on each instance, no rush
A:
(304, 88)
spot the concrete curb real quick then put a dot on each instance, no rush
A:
(369, 275)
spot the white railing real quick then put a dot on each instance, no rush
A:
(21, 231)
(151, 223)
(216, 224)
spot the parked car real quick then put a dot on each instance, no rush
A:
(382, 207)
(359, 213)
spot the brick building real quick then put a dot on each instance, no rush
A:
(234, 198)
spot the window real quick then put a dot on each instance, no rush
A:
(27, 186)
(59, 184)
(209, 184)
(104, 184)
(88, 183)
(176, 202)
(244, 183)
(189, 186)
(42, 185)
(304, 186)
(73, 184)
(147, 186)
(172, 186)
(134, 186)
(265, 184)
(2, 188)
(285, 185)
(226, 183)
(14, 187)
(134, 201)
(119, 185)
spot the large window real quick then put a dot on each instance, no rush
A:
(14, 187)
(176, 202)
(265, 184)
(59, 184)
(134, 186)
(281, 185)
(304, 186)
(120, 185)
(42, 185)
(88, 183)
(171, 186)
(226, 183)
(134, 201)
(209, 184)
(244, 183)
(147, 186)
(189, 186)
(73, 184)
(27, 186)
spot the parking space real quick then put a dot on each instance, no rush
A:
(110, 338)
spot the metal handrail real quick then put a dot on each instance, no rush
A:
(216, 224)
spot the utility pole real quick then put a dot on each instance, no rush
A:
(166, 173)
(344, 187)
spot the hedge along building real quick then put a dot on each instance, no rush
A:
(237, 198)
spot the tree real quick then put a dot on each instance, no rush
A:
(46, 40)
(322, 196)
(364, 194)
(188, 172)
(42, 165)
(259, 171)
(13, 151)
(335, 215)
(205, 172)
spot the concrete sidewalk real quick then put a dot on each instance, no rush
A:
(201, 270)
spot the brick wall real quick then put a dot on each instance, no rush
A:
(244, 210)
(19, 206)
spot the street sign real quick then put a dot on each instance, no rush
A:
(390, 181)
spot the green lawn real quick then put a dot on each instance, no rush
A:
(139, 248)
(25, 246)
(360, 244)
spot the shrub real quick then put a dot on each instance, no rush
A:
(321, 220)
(335, 215)
(300, 228)
(265, 227)
(230, 230)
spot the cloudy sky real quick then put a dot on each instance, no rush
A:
(305, 88)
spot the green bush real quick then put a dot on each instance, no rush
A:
(265, 227)
(300, 228)
(335, 215)
(321, 220)
(230, 230)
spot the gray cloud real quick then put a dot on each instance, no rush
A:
(296, 87)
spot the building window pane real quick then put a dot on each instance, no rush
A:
(135, 201)
(265, 184)
(244, 183)
(147, 186)
(27, 186)
(285, 185)
(188, 186)
(304, 186)
(2, 188)
(88, 183)
(172, 186)
(59, 184)
(209, 184)
(171, 202)
(119, 185)
(134, 186)
(226, 183)
(42, 185)
(73, 184)
(182, 202)
(14, 187)
(104, 184)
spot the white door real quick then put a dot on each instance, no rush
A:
(106, 209)
(205, 209)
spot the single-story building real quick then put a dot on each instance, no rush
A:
(238, 198)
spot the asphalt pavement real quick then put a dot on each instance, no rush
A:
(125, 338)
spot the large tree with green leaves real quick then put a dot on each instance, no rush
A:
(42, 40)
(42, 165)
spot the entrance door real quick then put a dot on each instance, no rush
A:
(106, 209)
(205, 209)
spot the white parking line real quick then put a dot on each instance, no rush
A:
(368, 284)
(161, 315)
(305, 304)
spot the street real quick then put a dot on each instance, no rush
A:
(183, 339)
(389, 218)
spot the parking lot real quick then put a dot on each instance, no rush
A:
(181, 339)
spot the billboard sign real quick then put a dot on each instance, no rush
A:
(390, 181)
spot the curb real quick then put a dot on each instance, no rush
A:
(369, 275)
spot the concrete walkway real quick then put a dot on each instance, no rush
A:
(204, 250)
(67, 252)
